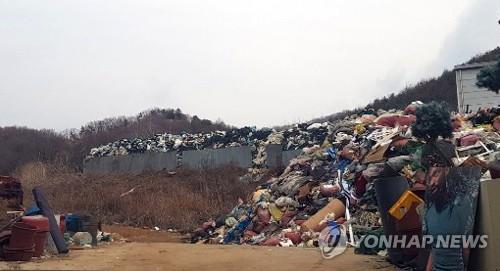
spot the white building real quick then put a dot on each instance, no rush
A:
(470, 97)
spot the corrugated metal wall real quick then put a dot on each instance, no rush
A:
(472, 96)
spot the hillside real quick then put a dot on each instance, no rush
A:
(20, 145)
(441, 88)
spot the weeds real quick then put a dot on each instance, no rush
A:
(165, 200)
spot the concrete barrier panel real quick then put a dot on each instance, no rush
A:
(98, 165)
(91, 165)
(139, 162)
(287, 156)
(214, 158)
(274, 156)
(278, 158)
(159, 161)
(114, 163)
(125, 164)
(133, 163)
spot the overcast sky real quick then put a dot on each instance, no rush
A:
(64, 63)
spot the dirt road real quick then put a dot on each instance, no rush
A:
(165, 255)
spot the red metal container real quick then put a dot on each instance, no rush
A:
(39, 221)
(11, 254)
(22, 236)
(62, 224)
(42, 225)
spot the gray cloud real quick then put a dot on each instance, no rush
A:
(247, 62)
(477, 31)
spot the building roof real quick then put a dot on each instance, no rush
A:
(474, 65)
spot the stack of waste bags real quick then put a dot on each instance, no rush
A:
(183, 142)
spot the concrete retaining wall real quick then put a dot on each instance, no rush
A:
(274, 156)
(278, 158)
(213, 158)
(133, 163)
(198, 159)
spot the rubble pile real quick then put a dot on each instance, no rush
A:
(332, 182)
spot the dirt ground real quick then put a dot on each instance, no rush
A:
(150, 250)
(143, 235)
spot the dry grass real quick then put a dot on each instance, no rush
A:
(181, 201)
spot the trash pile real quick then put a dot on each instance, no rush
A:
(37, 232)
(183, 142)
(295, 138)
(334, 182)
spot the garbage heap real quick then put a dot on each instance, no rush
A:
(294, 138)
(183, 142)
(334, 181)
